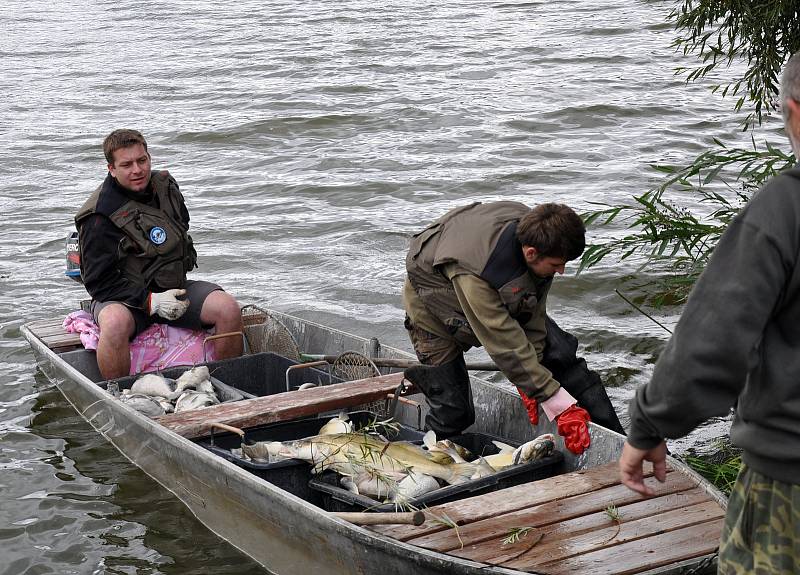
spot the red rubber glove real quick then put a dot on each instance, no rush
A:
(531, 406)
(572, 426)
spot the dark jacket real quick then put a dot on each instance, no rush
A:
(738, 341)
(131, 243)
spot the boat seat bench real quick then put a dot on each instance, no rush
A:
(282, 406)
(581, 522)
(54, 336)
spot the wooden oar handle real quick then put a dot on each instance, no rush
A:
(408, 518)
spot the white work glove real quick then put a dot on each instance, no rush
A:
(166, 303)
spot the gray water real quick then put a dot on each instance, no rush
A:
(310, 139)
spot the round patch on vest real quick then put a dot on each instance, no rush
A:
(158, 235)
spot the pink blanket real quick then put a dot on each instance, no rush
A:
(158, 347)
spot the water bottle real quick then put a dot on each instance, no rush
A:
(73, 270)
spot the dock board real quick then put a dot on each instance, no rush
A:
(54, 336)
(566, 525)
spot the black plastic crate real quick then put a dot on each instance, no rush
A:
(264, 373)
(225, 392)
(337, 498)
(292, 474)
(253, 375)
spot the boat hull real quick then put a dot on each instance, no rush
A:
(282, 532)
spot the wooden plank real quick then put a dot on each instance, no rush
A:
(54, 336)
(512, 499)
(555, 551)
(282, 406)
(642, 554)
(62, 340)
(50, 330)
(577, 513)
(562, 532)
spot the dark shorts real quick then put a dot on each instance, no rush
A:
(196, 292)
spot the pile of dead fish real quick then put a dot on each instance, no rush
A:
(394, 471)
(154, 394)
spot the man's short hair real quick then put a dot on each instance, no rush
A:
(555, 230)
(790, 82)
(122, 138)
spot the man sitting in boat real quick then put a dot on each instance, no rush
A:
(479, 276)
(135, 252)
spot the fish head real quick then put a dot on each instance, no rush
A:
(538, 448)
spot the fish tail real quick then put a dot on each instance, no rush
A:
(460, 473)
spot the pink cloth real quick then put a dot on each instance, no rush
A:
(158, 347)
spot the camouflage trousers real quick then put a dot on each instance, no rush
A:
(761, 534)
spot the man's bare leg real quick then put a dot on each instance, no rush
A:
(222, 311)
(113, 350)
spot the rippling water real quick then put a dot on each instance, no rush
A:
(310, 139)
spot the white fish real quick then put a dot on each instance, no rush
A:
(190, 378)
(194, 400)
(414, 485)
(142, 403)
(339, 424)
(381, 486)
(153, 385)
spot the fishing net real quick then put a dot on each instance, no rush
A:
(352, 366)
(265, 333)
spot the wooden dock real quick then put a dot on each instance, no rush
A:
(582, 522)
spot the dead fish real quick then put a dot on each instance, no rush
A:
(540, 447)
(535, 449)
(142, 403)
(414, 485)
(258, 452)
(191, 378)
(194, 400)
(153, 385)
(372, 485)
(457, 453)
(483, 469)
(352, 453)
(339, 424)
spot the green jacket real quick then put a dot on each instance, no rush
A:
(468, 271)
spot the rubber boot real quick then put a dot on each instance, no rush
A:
(575, 376)
(447, 389)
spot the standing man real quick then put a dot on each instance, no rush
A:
(738, 344)
(135, 253)
(479, 276)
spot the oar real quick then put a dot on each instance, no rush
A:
(402, 363)
(359, 518)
